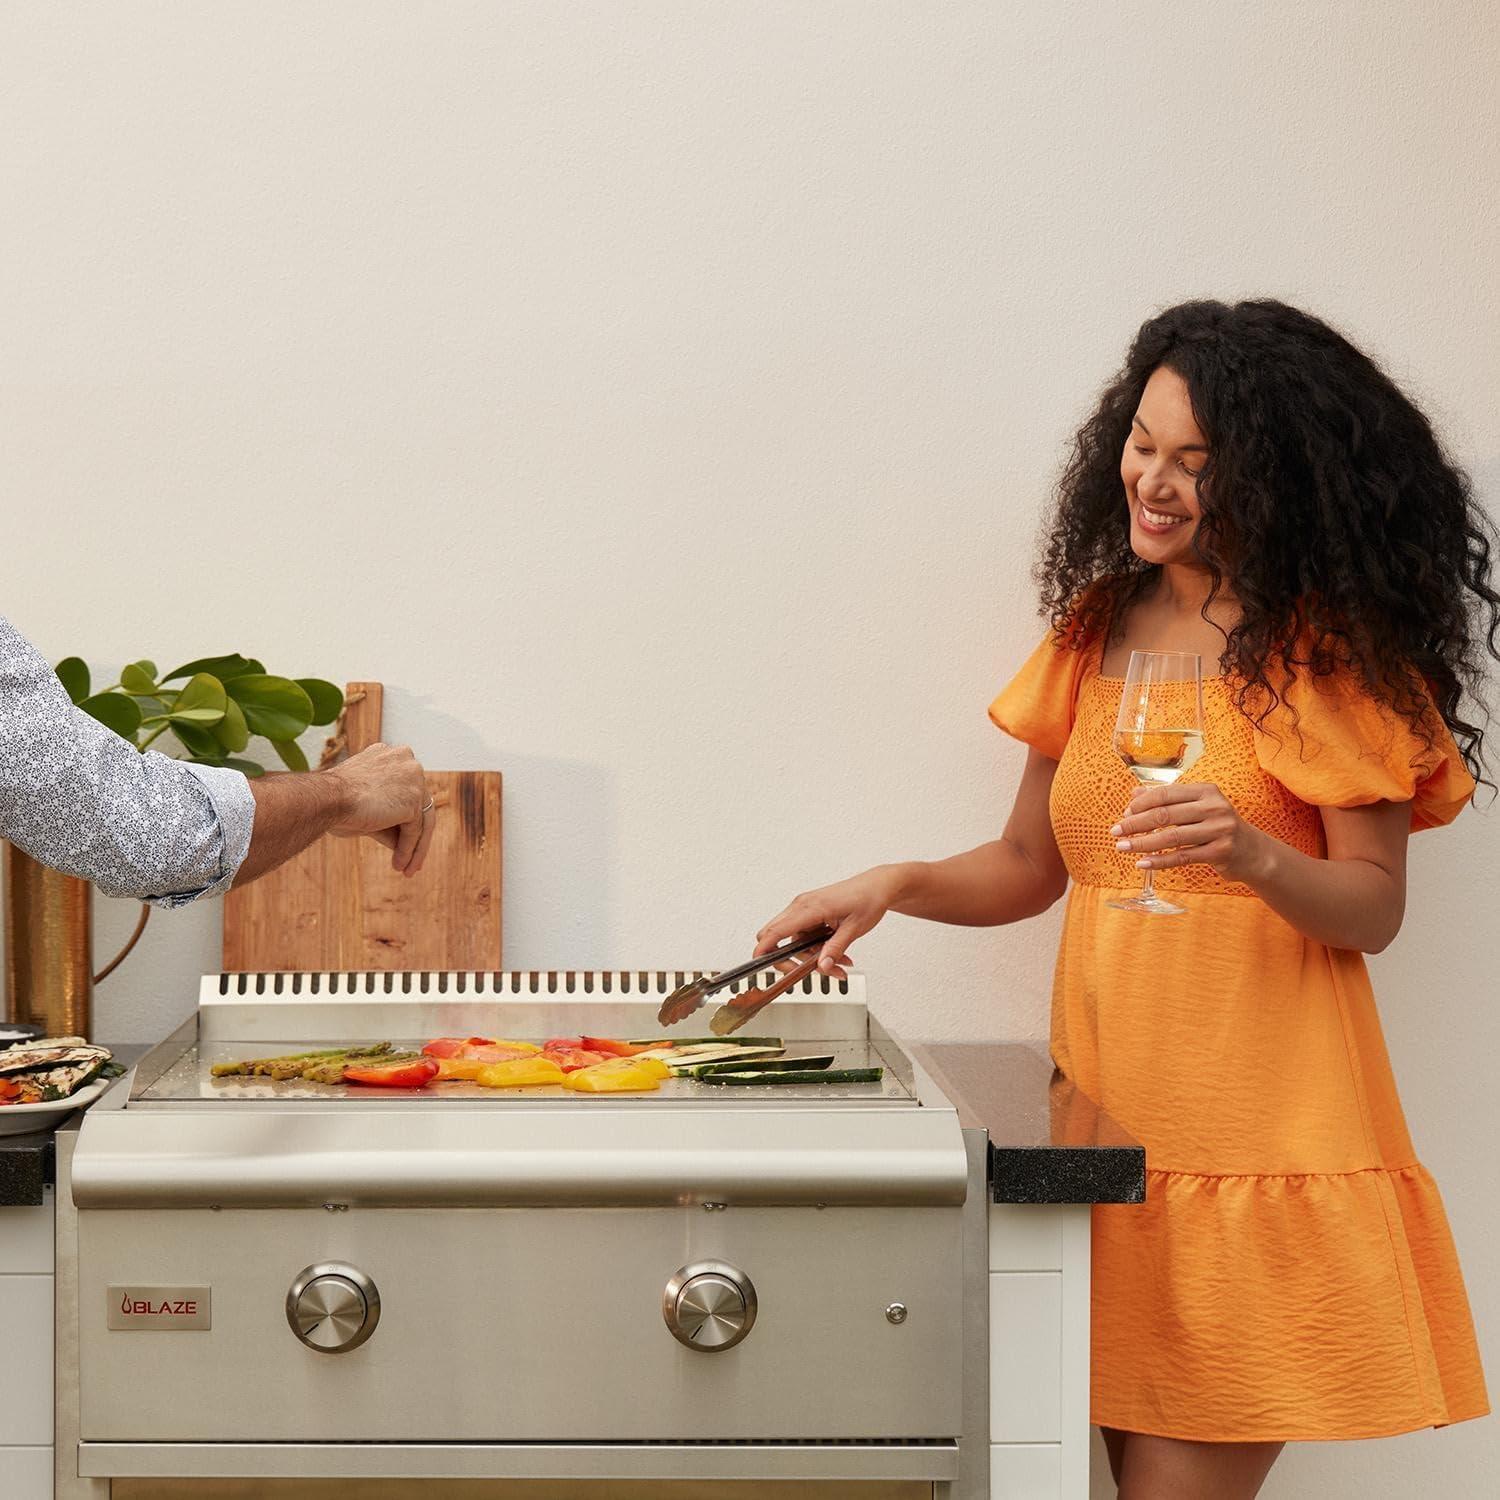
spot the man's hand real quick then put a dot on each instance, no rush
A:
(381, 792)
(385, 796)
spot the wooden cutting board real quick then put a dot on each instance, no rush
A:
(339, 905)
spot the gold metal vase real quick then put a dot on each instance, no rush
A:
(49, 947)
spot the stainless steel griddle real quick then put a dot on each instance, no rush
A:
(282, 1281)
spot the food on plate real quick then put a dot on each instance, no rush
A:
(51, 1068)
(479, 1048)
(519, 1073)
(802, 1075)
(401, 1070)
(299, 1064)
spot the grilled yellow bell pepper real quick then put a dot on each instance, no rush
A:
(519, 1073)
(630, 1075)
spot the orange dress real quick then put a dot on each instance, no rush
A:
(1291, 1274)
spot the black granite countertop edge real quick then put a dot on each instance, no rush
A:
(1049, 1142)
(27, 1167)
(1067, 1174)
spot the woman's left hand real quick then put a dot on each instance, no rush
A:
(1190, 824)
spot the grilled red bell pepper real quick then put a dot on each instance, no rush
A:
(570, 1058)
(411, 1072)
(483, 1049)
(614, 1048)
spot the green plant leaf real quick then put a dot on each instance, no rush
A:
(273, 706)
(139, 678)
(250, 768)
(231, 731)
(222, 667)
(327, 700)
(200, 744)
(291, 754)
(115, 711)
(73, 673)
(200, 702)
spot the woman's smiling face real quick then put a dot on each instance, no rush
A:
(1163, 456)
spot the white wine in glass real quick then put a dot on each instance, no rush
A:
(1159, 736)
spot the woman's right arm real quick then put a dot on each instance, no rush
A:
(1015, 876)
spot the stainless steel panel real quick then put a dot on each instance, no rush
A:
(67, 1483)
(522, 1489)
(314, 1007)
(606, 1154)
(973, 1480)
(585, 1465)
(517, 1325)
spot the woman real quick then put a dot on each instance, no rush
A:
(1253, 489)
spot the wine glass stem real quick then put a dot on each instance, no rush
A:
(1148, 886)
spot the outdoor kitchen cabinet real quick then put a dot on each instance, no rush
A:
(1053, 1154)
(26, 1302)
(1015, 1360)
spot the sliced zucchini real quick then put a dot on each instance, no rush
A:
(762, 1065)
(690, 1057)
(679, 1042)
(832, 1075)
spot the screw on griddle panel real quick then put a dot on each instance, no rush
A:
(896, 1312)
(714, 1208)
(337, 1208)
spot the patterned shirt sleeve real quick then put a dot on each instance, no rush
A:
(76, 796)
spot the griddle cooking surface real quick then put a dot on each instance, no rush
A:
(190, 1078)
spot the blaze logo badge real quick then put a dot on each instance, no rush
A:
(166, 1309)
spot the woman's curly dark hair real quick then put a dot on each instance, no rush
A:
(1349, 538)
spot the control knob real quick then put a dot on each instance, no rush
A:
(709, 1305)
(333, 1308)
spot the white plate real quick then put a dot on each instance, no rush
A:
(15, 1118)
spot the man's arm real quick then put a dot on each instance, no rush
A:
(77, 797)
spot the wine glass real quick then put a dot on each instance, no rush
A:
(1159, 735)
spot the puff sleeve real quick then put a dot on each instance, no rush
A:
(1038, 704)
(1332, 745)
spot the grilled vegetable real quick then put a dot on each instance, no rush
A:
(462, 1067)
(757, 1065)
(331, 1071)
(402, 1070)
(627, 1076)
(830, 1075)
(705, 1041)
(688, 1057)
(520, 1073)
(281, 1066)
(612, 1047)
(570, 1056)
(479, 1048)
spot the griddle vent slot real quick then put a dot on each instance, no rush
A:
(513, 984)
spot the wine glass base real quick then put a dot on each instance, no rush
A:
(1153, 906)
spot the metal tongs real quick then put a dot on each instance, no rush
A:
(733, 1014)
